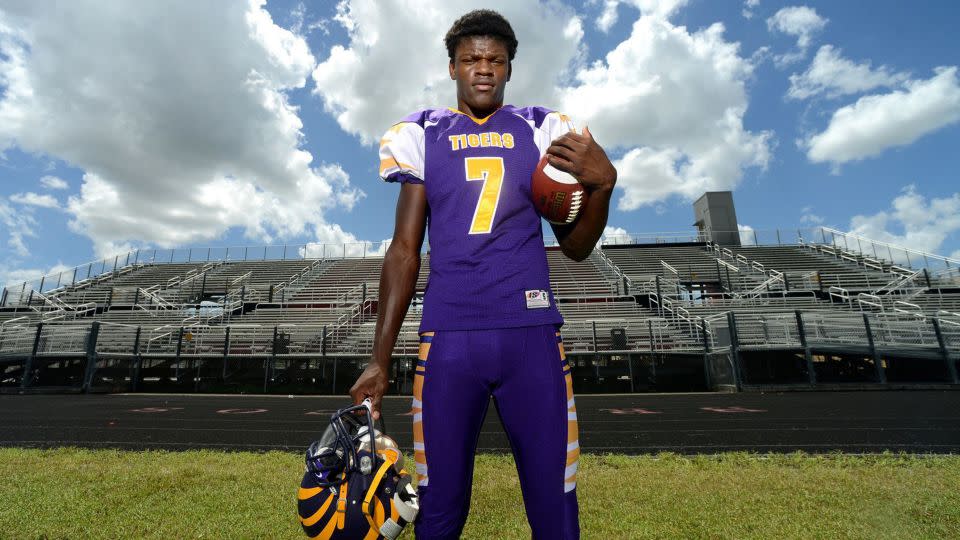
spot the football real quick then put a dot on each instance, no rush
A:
(557, 195)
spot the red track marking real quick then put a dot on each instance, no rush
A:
(241, 411)
(731, 410)
(633, 410)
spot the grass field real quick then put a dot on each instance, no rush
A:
(79, 493)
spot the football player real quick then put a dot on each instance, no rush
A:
(490, 322)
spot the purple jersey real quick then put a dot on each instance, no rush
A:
(488, 266)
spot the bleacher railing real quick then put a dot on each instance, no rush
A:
(94, 272)
(662, 332)
(106, 268)
(299, 279)
(890, 330)
(853, 244)
(623, 283)
(748, 237)
(820, 329)
(16, 338)
(900, 255)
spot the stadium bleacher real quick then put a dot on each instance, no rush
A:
(174, 320)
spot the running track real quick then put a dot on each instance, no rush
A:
(856, 422)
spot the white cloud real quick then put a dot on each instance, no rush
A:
(20, 224)
(747, 235)
(338, 243)
(649, 175)
(677, 100)
(748, 7)
(808, 217)
(912, 221)
(657, 8)
(833, 75)
(366, 88)
(878, 122)
(608, 17)
(801, 22)
(13, 278)
(53, 182)
(299, 24)
(615, 235)
(35, 199)
(183, 134)
(297, 14)
(673, 99)
(661, 9)
(685, 92)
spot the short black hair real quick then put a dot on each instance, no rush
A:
(481, 22)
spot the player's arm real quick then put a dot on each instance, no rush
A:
(398, 281)
(581, 156)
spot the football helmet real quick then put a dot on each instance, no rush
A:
(355, 486)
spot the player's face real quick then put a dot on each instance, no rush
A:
(481, 67)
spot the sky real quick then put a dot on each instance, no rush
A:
(176, 124)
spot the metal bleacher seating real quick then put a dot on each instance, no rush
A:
(653, 298)
(642, 265)
(796, 262)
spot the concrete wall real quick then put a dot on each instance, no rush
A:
(716, 217)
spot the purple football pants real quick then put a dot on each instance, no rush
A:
(526, 372)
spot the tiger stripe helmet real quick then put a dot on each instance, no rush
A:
(355, 486)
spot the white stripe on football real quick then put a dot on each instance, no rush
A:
(557, 175)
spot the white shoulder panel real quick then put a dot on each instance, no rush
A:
(554, 125)
(402, 151)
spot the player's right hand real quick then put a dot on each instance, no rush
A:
(373, 383)
(581, 156)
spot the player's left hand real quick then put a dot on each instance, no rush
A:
(373, 383)
(581, 156)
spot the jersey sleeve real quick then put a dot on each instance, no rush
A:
(402, 153)
(553, 125)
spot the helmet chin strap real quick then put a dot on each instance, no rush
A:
(404, 500)
(406, 506)
(368, 499)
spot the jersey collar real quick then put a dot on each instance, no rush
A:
(478, 121)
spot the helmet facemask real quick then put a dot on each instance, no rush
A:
(331, 458)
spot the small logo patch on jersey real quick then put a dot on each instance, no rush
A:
(537, 299)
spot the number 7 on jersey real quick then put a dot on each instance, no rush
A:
(490, 171)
